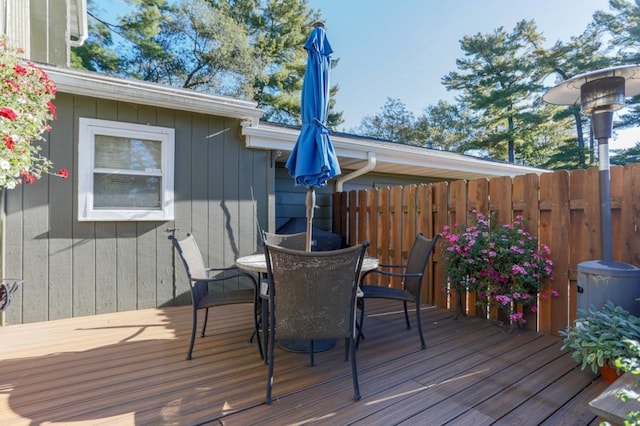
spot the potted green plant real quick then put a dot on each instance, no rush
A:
(598, 336)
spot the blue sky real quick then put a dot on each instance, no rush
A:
(401, 49)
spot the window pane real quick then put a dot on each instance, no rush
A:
(126, 192)
(115, 152)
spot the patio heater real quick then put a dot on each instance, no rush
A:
(599, 94)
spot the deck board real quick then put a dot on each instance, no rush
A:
(131, 368)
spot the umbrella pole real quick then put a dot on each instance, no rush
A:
(311, 202)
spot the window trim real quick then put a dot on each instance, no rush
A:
(88, 129)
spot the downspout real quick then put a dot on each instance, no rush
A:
(83, 23)
(371, 164)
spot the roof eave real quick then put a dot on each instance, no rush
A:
(390, 156)
(86, 83)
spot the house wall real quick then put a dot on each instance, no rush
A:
(14, 23)
(49, 32)
(291, 201)
(73, 268)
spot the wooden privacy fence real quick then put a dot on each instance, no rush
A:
(562, 210)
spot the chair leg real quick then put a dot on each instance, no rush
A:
(206, 317)
(422, 343)
(257, 306)
(406, 315)
(271, 350)
(265, 328)
(193, 331)
(354, 371)
(360, 324)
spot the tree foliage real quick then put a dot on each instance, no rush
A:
(623, 26)
(250, 49)
(496, 78)
(563, 61)
(447, 126)
(394, 123)
(97, 53)
(630, 155)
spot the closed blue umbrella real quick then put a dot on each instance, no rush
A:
(313, 160)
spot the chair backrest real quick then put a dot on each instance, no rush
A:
(417, 262)
(313, 294)
(191, 257)
(291, 241)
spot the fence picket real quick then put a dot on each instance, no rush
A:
(562, 209)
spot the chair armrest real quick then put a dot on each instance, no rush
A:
(228, 268)
(381, 271)
(388, 274)
(385, 265)
(226, 277)
(391, 274)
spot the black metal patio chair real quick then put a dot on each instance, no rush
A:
(207, 290)
(312, 295)
(411, 273)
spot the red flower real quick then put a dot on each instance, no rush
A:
(52, 109)
(8, 113)
(50, 87)
(64, 173)
(8, 141)
(19, 69)
(28, 177)
(15, 86)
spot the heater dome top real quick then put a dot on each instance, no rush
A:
(570, 92)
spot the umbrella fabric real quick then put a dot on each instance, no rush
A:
(313, 160)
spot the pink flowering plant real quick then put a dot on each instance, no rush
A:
(26, 95)
(504, 264)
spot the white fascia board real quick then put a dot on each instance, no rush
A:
(443, 160)
(95, 85)
(269, 138)
(283, 139)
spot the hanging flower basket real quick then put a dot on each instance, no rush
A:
(26, 94)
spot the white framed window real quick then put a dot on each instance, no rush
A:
(125, 171)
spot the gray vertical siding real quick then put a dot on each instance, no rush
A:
(73, 268)
(49, 31)
(291, 201)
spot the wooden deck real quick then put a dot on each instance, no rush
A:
(130, 368)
